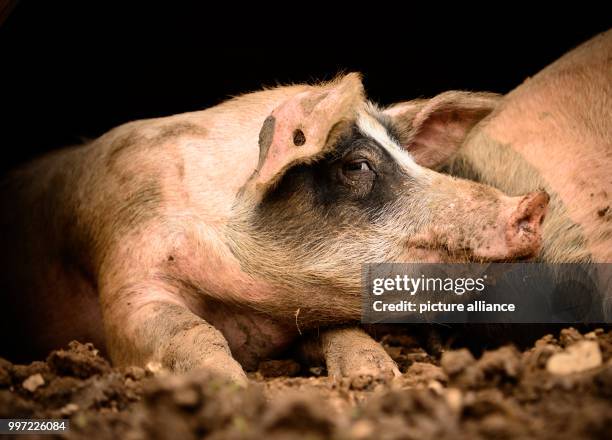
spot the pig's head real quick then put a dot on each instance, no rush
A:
(337, 186)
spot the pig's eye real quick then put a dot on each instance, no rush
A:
(355, 168)
(358, 175)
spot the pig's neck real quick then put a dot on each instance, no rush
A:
(295, 292)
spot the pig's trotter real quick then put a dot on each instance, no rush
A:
(170, 334)
(350, 352)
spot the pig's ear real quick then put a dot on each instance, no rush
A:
(304, 127)
(433, 129)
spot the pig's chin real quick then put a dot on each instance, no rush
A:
(422, 254)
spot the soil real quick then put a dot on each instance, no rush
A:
(560, 387)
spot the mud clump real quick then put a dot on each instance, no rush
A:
(70, 381)
(504, 393)
(80, 360)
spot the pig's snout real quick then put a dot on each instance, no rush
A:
(524, 225)
(517, 233)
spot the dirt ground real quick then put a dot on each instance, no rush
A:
(560, 387)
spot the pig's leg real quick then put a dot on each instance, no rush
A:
(351, 352)
(160, 329)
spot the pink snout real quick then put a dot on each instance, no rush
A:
(521, 222)
(524, 227)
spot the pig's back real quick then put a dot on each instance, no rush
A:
(555, 131)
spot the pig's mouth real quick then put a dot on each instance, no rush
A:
(439, 253)
(443, 254)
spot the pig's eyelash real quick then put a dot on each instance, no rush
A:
(364, 150)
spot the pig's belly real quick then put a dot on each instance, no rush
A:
(251, 336)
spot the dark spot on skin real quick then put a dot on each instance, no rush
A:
(601, 212)
(543, 115)
(180, 169)
(299, 138)
(170, 258)
(591, 195)
(178, 129)
(265, 138)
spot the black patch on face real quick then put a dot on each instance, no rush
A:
(350, 186)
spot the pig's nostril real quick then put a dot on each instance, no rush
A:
(299, 138)
(532, 211)
(525, 224)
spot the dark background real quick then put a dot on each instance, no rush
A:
(71, 71)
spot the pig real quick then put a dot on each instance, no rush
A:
(553, 132)
(218, 238)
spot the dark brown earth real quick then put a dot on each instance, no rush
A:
(559, 388)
